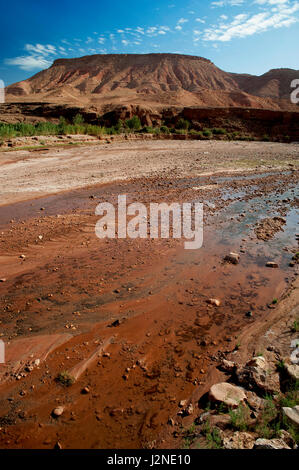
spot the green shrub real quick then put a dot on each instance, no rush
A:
(24, 129)
(268, 425)
(148, 130)
(134, 124)
(7, 131)
(94, 130)
(240, 417)
(207, 133)
(78, 119)
(164, 130)
(194, 132)
(62, 126)
(64, 378)
(183, 124)
(212, 436)
(46, 128)
(219, 131)
(120, 126)
(295, 326)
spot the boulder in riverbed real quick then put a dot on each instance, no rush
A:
(292, 414)
(293, 371)
(226, 393)
(239, 440)
(270, 444)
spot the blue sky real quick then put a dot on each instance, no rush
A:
(250, 36)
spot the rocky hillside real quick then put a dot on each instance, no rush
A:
(152, 79)
(273, 84)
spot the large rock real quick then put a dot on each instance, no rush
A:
(293, 371)
(232, 258)
(227, 366)
(258, 361)
(270, 444)
(239, 440)
(272, 264)
(255, 402)
(292, 415)
(257, 375)
(226, 393)
(288, 438)
(222, 421)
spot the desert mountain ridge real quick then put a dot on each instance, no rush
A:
(153, 80)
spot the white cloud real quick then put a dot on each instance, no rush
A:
(244, 25)
(62, 50)
(29, 63)
(37, 58)
(271, 2)
(223, 3)
(151, 30)
(40, 49)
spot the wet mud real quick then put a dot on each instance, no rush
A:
(130, 320)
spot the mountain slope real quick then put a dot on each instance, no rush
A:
(151, 79)
(273, 84)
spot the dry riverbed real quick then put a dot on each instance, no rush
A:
(132, 320)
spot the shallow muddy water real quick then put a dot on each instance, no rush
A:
(71, 282)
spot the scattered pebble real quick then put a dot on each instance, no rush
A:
(58, 411)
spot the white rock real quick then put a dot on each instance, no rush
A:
(292, 414)
(226, 393)
(239, 440)
(270, 444)
(258, 361)
(271, 264)
(215, 302)
(288, 438)
(228, 366)
(189, 410)
(293, 371)
(58, 411)
(182, 403)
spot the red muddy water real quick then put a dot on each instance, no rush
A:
(130, 319)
